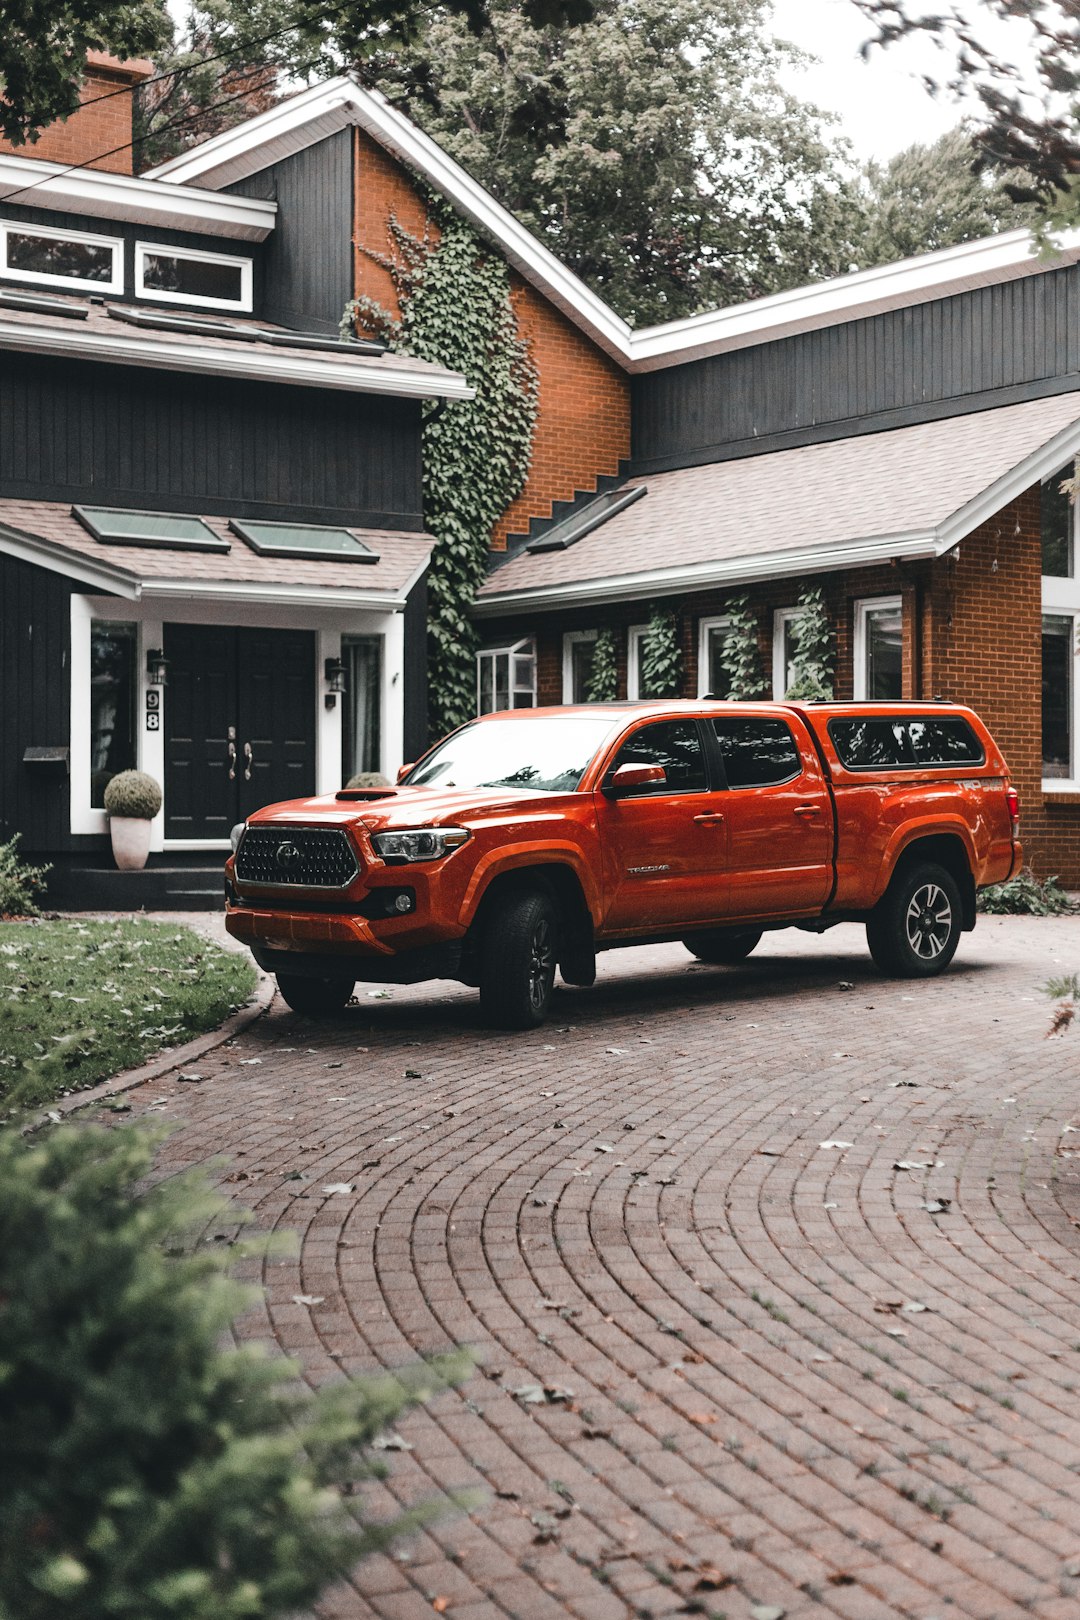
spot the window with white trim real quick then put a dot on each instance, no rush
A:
(51, 257)
(712, 677)
(879, 648)
(175, 275)
(506, 677)
(635, 646)
(579, 650)
(1060, 632)
(783, 650)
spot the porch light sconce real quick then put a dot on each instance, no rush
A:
(157, 667)
(334, 675)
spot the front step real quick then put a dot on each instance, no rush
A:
(155, 888)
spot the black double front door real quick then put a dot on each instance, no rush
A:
(239, 724)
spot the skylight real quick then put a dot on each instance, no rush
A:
(587, 518)
(116, 527)
(303, 540)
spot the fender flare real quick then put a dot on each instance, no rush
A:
(910, 834)
(518, 857)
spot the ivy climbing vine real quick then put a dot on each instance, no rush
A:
(454, 298)
(740, 656)
(603, 684)
(813, 665)
(661, 655)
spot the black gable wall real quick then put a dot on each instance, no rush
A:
(124, 436)
(307, 259)
(35, 703)
(993, 346)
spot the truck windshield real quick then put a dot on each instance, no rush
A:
(541, 754)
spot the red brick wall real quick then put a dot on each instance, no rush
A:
(583, 425)
(93, 133)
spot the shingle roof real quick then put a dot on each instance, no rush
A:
(401, 556)
(904, 492)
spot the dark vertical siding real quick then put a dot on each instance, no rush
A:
(307, 260)
(35, 660)
(82, 431)
(416, 681)
(990, 346)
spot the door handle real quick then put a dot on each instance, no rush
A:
(807, 810)
(248, 757)
(712, 819)
(232, 762)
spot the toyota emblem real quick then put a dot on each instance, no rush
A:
(287, 856)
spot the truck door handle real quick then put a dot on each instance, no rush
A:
(807, 810)
(712, 819)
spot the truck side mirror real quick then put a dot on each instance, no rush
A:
(628, 778)
(403, 770)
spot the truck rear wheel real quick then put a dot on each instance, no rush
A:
(517, 962)
(915, 928)
(723, 945)
(314, 996)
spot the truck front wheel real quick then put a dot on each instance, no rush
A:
(517, 962)
(915, 929)
(314, 996)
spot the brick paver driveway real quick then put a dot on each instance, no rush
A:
(793, 1250)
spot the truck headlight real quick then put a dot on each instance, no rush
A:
(423, 844)
(236, 835)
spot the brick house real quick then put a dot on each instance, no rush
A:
(897, 436)
(212, 554)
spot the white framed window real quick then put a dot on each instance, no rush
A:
(175, 275)
(783, 650)
(1060, 632)
(879, 648)
(51, 257)
(635, 642)
(579, 650)
(711, 674)
(506, 677)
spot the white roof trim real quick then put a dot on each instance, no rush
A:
(316, 113)
(1040, 464)
(102, 576)
(33, 183)
(250, 361)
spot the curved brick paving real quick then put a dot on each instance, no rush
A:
(754, 1420)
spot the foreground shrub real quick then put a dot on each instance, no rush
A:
(1024, 896)
(148, 1473)
(21, 885)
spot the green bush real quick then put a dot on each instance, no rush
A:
(367, 779)
(133, 793)
(148, 1473)
(1024, 896)
(21, 885)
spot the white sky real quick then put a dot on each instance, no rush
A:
(881, 103)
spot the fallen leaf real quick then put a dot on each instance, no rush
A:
(845, 984)
(835, 1144)
(703, 1417)
(711, 1579)
(249, 1063)
(938, 1206)
(440, 1605)
(542, 1394)
(308, 1299)
(1062, 1018)
(342, 1187)
(914, 1307)
(615, 1051)
(767, 1611)
(413, 1074)
(391, 1442)
(913, 1164)
(189, 1079)
(604, 1147)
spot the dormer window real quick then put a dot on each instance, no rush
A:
(174, 275)
(51, 257)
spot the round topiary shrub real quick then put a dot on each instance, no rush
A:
(133, 793)
(364, 779)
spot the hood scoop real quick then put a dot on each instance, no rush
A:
(364, 795)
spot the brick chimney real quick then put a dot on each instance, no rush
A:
(97, 126)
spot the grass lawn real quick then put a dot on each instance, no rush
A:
(81, 1000)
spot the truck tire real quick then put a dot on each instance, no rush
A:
(723, 946)
(517, 962)
(915, 928)
(314, 996)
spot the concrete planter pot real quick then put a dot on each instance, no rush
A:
(130, 841)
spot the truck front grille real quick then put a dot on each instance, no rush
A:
(306, 857)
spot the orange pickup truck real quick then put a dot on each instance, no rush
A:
(528, 841)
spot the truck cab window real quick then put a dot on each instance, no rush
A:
(757, 752)
(674, 744)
